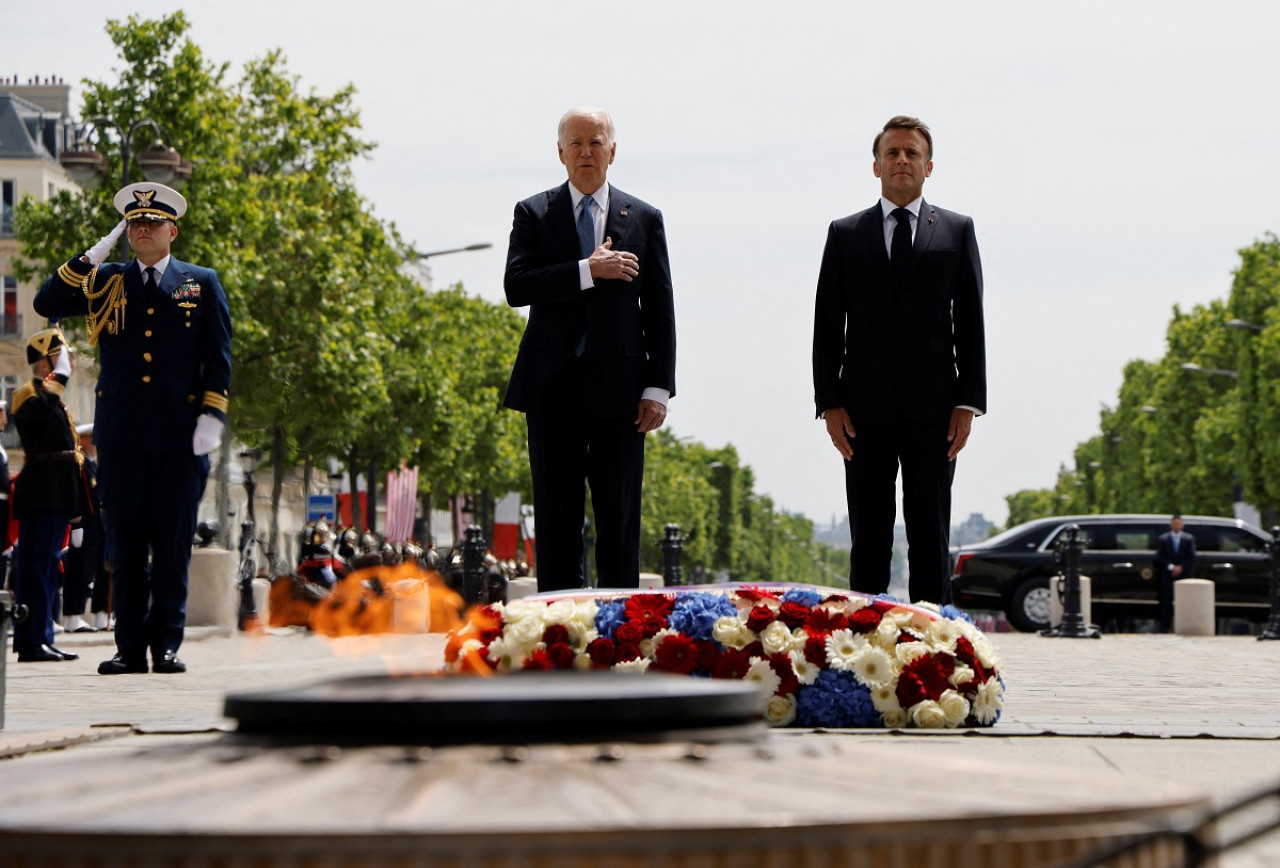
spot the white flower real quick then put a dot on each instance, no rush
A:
(640, 664)
(853, 604)
(954, 707)
(989, 701)
(962, 675)
(731, 631)
(525, 632)
(842, 647)
(943, 634)
(517, 609)
(559, 612)
(885, 698)
(777, 638)
(908, 651)
(886, 635)
(986, 653)
(898, 616)
(928, 715)
(582, 661)
(761, 674)
(806, 672)
(506, 654)
(780, 710)
(873, 667)
(894, 718)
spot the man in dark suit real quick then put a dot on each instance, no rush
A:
(1175, 559)
(48, 495)
(899, 366)
(165, 369)
(596, 365)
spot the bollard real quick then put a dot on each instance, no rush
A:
(473, 578)
(672, 546)
(1193, 612)
(247, 613)
(1273, 625)
(9, 612)
(1057, 589)
(1073, 625)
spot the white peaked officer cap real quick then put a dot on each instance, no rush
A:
(147, 201)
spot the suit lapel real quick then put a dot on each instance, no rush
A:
(871, 227)
(560, 217)
(618, 221)
(174, 275)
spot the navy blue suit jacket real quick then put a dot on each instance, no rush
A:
(1185, 557)
(629, 326)
(170, 362)
(913, 352)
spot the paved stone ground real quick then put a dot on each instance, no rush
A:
(1202, 713)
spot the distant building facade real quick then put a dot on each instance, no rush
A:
(35, 128)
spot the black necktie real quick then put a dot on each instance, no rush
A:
(900, 248)
(149, 286)
(586, 228)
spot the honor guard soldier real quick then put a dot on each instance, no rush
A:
(48, 495)
(164, 336)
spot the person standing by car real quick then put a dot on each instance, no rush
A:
(1175, 559)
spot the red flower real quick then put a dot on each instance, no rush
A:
(601, 652)
(826, 621)
(864, 620)
(676, 654)
(755, 595)
(815, 650)
(561, 655)
(538, 659)
(627, 651)
(882, 606)
(793, 614)
(758, 618)
(486, 635)
(629, 632)
(733, 663)
(649, 612)
(708, 655)
(925, 678)
(556, 634)
(781, 664)
(755, 649)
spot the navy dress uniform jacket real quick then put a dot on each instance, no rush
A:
(169, 361)
(50, 481)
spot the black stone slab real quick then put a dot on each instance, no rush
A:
(518, 708)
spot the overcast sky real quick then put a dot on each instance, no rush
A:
(1114, 156)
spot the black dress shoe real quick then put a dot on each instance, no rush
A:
(168, 663)
(120, 665)
(66, 655)
(43, 654)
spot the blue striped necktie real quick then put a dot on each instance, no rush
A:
(586, 227)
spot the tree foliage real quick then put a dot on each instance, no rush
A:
(1197, 429)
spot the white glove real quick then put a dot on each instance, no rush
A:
(99, 252)
(63, 364)
(208, 436)
(77, 537)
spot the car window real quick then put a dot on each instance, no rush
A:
(1226, 539)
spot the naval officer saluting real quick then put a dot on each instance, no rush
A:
(164, 336)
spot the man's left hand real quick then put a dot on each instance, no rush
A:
(650, 416)
(958, 431)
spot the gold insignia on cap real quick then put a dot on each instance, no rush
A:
(144, 197)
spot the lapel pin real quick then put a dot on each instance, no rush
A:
(622, 213)
(930, 219)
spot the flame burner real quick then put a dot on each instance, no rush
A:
(530, 707)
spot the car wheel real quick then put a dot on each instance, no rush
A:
(1029, 606)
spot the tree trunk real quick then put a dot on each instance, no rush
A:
(277, 489)
(357, 516)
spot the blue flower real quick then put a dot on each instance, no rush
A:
(808, 599)
(696, 613)
(950, 611)
(836, 699)
(609, 615)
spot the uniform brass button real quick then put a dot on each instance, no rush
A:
(147, 332)
(151, 310)
(188, 325)
(146, 378)
(191, 399)
(146, 357)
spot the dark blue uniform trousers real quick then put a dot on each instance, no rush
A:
(149, 505)
(35, 577)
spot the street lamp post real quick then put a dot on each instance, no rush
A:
(248, 611)
(1218, 372)
(160, 163)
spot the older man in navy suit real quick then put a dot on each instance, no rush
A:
(899, 364)
(596, 365)
(164, 334)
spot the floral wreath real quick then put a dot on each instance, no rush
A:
(821, 658)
